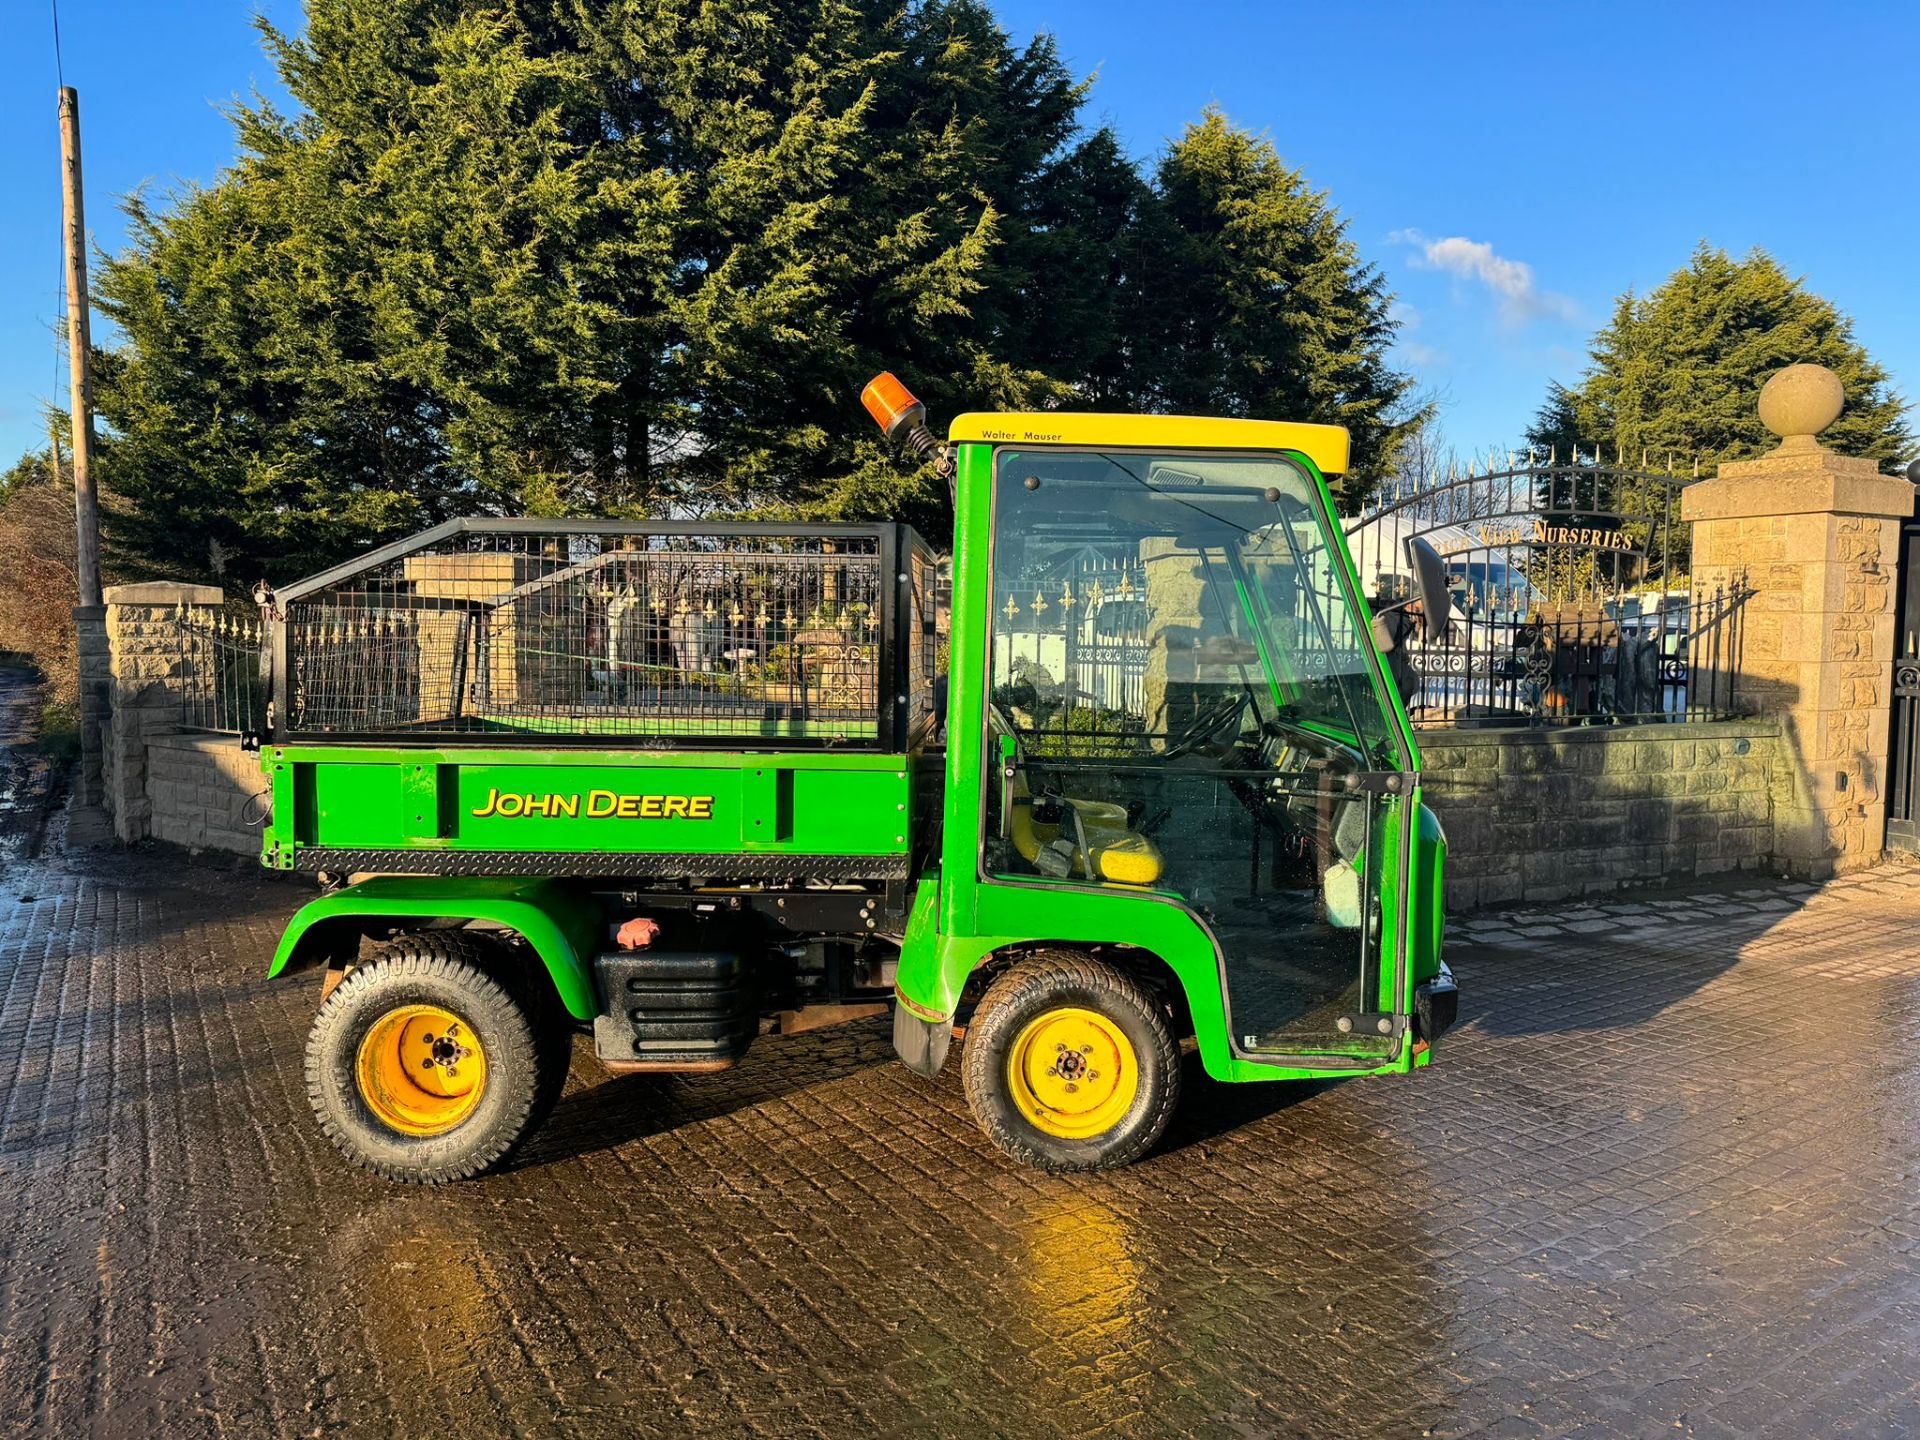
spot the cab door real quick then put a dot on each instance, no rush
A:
(1180, 705)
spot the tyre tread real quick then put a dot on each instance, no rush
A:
(1036, 977)
(474, 962)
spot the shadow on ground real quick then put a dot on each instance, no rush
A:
(603, 1112)
(1646, 953)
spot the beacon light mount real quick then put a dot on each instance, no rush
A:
(903, 418)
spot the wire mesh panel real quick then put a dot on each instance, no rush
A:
(924, 660)
(661, 634)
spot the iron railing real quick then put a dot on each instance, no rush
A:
(1569, 600)
(217, 677)
(1577, 663)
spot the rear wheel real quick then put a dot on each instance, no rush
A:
(435, 1058)
(1070, 1064)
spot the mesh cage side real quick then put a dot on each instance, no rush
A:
(625, 634)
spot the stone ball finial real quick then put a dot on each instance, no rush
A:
(1797, 403)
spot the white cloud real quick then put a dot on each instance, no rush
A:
(1414, 352)
(1511, 281)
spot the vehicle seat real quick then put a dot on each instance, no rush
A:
(1102, 837)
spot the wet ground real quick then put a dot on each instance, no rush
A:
(1662, 1181)
(27, 778)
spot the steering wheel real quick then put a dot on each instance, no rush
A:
(1207, 725)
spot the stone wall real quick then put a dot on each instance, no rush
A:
(205, 792)
(1541, 815)
(195, 790)
(1813, 538)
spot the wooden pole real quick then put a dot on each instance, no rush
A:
(86, 500)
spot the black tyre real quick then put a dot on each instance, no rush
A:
(1070, 1064)
(435, 1058)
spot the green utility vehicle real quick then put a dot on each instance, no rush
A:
(1164, 790)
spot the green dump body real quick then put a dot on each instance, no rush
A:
(468, 810)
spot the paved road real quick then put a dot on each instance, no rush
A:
(1662, 1182)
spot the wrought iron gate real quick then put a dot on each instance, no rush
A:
(1571, 597)
(1903, 790)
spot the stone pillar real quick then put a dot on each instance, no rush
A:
(1175, 586)
(1815, 536)
(142, 627)
(96, 685)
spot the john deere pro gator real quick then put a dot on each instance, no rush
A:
(1143, 781)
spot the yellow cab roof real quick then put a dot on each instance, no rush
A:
(1325, 445)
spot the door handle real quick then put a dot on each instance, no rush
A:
(1009, 768)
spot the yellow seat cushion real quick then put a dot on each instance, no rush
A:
(1119, 854)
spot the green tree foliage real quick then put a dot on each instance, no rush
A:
(1678, 371)
(1556, 427)
(636, 258)
(1260, 305)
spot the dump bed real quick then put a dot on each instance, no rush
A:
(583, 697)
(788, 816)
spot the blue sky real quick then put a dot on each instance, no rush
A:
(1511, 167)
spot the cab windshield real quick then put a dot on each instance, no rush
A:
(1139, 595)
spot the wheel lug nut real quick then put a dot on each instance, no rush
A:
(1071, 1087)
(1093, 1074)
(1053, 1069)
(1086, 1049)
(1059, 1049)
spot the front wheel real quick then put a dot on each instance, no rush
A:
(431, 1061)
(1070, 1064)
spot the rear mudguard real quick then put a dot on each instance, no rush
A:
(562, 927)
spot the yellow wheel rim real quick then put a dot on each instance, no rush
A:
(421, 1069)
(1072, 1073)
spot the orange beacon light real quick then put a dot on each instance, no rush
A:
(893, 407)
(901, 417)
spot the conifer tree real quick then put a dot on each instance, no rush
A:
(637, 257)
(1678, 371)
(1261, 304)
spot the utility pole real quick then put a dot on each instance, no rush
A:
(89, 617)
(86, 500)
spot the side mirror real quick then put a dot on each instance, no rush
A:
(1430, 581)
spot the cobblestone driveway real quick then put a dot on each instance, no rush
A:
(1661, 1181)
